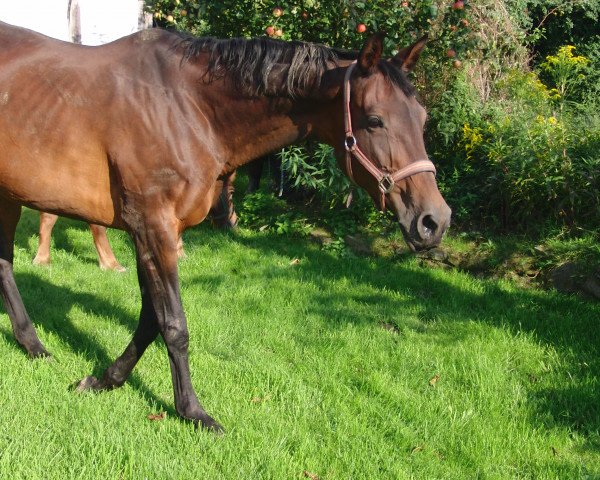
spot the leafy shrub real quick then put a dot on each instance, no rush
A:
(530, 157)
(266, 212)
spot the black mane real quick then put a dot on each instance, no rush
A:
(249, 63)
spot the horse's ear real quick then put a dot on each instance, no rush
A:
(370, 53)
(407, 57)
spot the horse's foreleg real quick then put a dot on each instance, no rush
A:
(21, 324)
(158, 266)
(47, 222)
(106, 257)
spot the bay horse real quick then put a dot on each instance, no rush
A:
(135, 134)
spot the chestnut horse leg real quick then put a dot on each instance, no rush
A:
(106, 257)
(162, 312)
(21, 324)
(180, 249)
(47, 221)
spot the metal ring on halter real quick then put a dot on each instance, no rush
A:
(386, 184)
(350, 142)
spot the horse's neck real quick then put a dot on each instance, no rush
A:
(280, 123)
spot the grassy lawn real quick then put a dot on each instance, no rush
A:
(316, 365)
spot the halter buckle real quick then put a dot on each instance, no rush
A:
(350, 142)
(386, 184)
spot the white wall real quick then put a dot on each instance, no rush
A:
(101, 21)
(45, 16)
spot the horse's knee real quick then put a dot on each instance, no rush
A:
(176, 336)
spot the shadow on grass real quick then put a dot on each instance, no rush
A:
(570, 325)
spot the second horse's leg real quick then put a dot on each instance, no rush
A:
(223, 212)
(106, 257)
(47, 221)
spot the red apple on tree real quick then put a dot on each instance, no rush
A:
(277, 12)
(450, 53)
(458, 5)
(270, 30)
(278, 32)
(361, 28)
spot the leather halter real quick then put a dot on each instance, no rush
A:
(385, 181)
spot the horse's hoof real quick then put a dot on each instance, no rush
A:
(209, 424)
(39, 352)
(88, 383)
(41, 261)
(115, 268)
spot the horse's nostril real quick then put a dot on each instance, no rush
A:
(429, 225)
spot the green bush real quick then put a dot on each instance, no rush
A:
(530, 157)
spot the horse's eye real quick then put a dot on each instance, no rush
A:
(374, 121)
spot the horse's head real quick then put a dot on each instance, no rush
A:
(385, 151)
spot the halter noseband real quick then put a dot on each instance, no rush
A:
(385, 181)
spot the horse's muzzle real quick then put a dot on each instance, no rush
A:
(427, 229)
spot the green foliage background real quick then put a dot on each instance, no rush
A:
(514, 126)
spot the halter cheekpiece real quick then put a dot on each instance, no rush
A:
(386, 181)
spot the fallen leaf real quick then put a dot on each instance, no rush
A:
(295, 261)
(433, 380)
(312, 476)
(417, 449)
(157, 416)
(389, 327)
(263, 228)
(260, 399)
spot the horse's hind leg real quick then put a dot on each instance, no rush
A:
(106, 257)
(47, 222)
(21, 324)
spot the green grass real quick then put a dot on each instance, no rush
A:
(321, 366)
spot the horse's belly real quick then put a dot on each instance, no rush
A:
(55, 182)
